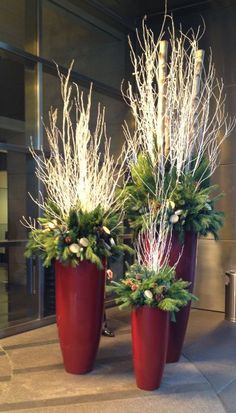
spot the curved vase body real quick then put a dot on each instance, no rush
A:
(149, 345)
(79, 312)
(186, 270)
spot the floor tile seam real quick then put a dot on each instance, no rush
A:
(208, 381)
(56, 366)
(119, 320)
(8, 358)
(226, 385)
(77, 399)
(123, 332)
(224, 405)
(127, 394)
(38, 369)
(11, 375)
(4, 379)
(11, 347)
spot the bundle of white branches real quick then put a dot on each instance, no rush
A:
(77, 173)
(178, 104)
(153, 244)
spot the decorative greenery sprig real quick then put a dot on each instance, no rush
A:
(143, 286)
(81, 236)
(193, 210)
(190, 205)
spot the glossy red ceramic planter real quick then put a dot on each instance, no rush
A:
(79, 312)
(149, 345)
(186, 270)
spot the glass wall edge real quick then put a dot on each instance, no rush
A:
(50, 67)
(124, 23)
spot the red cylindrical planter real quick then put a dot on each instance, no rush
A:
(186, 270)
(79, 312)
(149, 345)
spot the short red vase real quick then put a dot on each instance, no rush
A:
(79, 313)
(149, 345)
(186, 270)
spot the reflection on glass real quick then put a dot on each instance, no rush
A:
(18, 287)
(18, 299)
(17, 101)
(3, 205)
(17, 179)
(49, 291)
(12, 22)
(116, 113)
(98, 53)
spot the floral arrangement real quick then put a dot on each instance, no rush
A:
(81, 211)
(82, 236)
(190, 208)
(180, 123)
(150, 280)
(144, 286)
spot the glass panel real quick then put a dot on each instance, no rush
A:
(17, 101)
(3, 204)
(12, 22)
(116, 113)
(18, 287)
(18, 279)
(16, 180)
(98, 53)
(51, 98)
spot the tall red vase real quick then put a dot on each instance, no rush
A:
(186, 270)
(79, 312)
(149, 345)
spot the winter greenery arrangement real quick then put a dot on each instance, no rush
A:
(80, 236)
(150, 280)
(189, 209)
(81, 212)
(144, 286)
(178, 106)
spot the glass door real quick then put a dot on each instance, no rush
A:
(19, 286)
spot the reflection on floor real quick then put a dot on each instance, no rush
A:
(32, 378)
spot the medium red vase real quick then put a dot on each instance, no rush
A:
(79, 312)
(149, 345)
(186, 270)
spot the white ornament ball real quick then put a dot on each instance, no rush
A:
(208, 206)
(148, 294)
(74, 248)
(178, 212)
(84, 242)
(174, 219)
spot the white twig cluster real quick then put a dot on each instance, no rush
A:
(77, 173)
(178, 104)
(154, 242)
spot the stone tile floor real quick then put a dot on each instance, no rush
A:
(32, 378)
